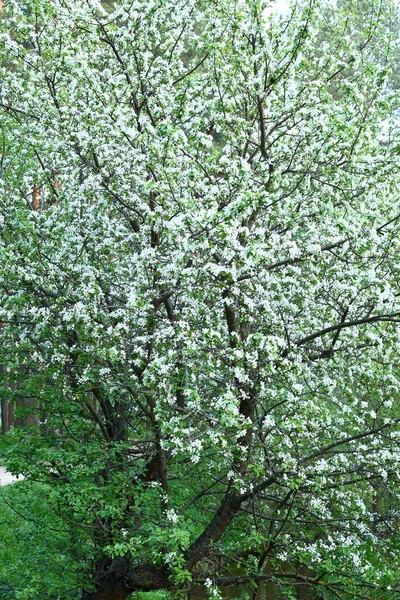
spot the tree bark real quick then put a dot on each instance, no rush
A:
(122, 579)
(4, 416)
(5, 424)
(224, 515)
(116, 594)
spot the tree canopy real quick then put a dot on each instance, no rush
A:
(199, 290)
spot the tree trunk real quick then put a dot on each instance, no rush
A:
(4, 416)
(29, 419)
(197, 592)
(116, 594)
(28, 412)
(5, 424)
(116, 579)
(10, 415)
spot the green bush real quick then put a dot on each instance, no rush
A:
(36, 547)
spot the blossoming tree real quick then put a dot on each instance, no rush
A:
(202, 310)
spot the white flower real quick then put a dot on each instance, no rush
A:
(172, 516)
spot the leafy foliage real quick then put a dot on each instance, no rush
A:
(202, 311)
(37, 549)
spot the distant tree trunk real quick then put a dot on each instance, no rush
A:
(7, 409)
(31, 418)
(4, 416)
(10, 415)
(26, 411)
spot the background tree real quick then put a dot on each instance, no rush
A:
(206, 313)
